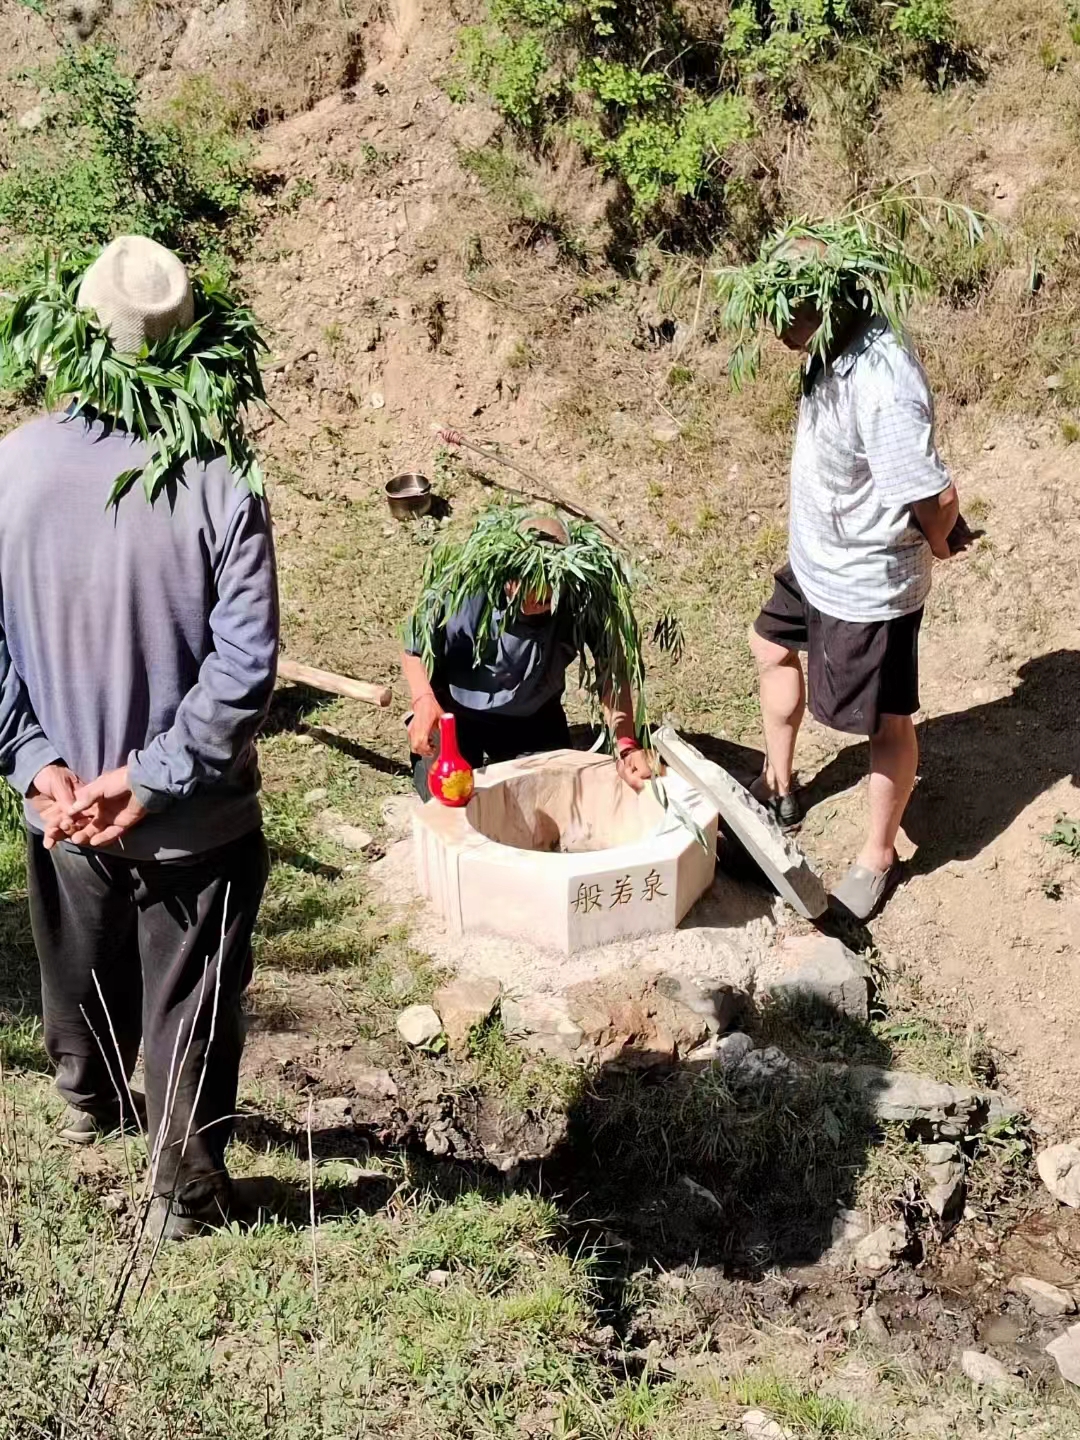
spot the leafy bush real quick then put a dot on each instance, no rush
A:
(659, 95)
(926, 22)
(103, 169)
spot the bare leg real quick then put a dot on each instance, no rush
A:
(894, 760)
(783, 704)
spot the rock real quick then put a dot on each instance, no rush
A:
(464, 1003)
(419, 1025)
(849, 1227)
(932, 1107)
(733, 1049)
(335, 827)
(940, 1153)
(1059, 1170)
(1044, 1298)
(879, 1250)
(543, 1026)
(983, 1369)
(1054, 382)
(33, 119)
(719, 1005)
(315, 797)
(1065, 1353)
(753, 827)
(873, 1326)
(438, 1279)
(946, 1170)
(625, 1018)
(370, 1083)
(333, 1114)
(758, 1426)
(764, 1064)
(825, 970)
(665, 434)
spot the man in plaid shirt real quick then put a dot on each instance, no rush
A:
(871, 505)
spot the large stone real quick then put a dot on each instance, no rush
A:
(880, 1250)
(753, 827)
(718, 1004)
(1059, 1169)
(543, 1026)
(1045, 1299)
(1065, 1353)
(933, 1108)
(626, 1018)
(983, 1370)
(826, 971)
(463, 1004)
(419, 1025)
(757, 1425)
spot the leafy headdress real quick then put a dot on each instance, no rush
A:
(504, 558)
(862, 263)
(184, 395)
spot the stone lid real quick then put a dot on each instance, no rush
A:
(775, 853)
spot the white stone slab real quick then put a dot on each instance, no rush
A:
(775, 853)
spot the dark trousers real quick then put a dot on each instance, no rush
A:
(486, 738)
(169, 944)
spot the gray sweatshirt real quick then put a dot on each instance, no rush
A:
(141, 635)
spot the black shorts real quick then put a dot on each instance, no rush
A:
(857, 671)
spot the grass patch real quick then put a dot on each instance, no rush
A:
(21, 1046)
(524, 1082)
(810, 1415)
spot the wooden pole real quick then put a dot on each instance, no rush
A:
(379, 695)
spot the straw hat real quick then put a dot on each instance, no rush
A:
(140, 291)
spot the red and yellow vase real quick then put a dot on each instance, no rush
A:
(450, 778)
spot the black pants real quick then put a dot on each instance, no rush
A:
(485, 738)
(169, 945)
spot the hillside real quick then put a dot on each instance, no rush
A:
(417, 262)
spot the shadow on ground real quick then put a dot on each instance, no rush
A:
(981, 767)
(742, 1168)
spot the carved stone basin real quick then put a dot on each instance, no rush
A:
(557, 850)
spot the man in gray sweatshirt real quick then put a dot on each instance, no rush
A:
(138, 647)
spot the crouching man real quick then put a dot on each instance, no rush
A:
(500, 621)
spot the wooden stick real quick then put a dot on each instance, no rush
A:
(379, 695)
(547, 492)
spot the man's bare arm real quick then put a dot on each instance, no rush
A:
(936, 517)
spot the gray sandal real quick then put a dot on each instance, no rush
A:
(862, 892)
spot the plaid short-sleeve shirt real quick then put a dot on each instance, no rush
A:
(864, 454)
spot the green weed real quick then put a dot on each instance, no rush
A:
(1065, 835)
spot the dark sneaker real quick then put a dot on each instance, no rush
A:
(786, 810)
(84, 1127)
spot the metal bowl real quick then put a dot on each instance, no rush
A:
(408, 496)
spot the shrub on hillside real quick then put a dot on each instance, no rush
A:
(661, 95)
(102, 169)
